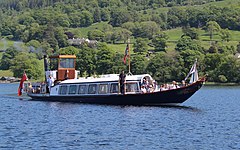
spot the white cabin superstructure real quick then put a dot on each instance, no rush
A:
(103, 85)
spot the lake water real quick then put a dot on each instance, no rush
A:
(209, 120)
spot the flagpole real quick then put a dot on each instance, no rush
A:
(129, 66)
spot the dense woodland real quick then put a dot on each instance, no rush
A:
(46, 25)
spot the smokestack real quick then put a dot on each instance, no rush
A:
(45, 65)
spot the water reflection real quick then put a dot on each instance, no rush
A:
(181, 107)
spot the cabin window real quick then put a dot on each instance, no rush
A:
(72, 89)
(132, 87)
(114, 88)
(82, 89)
(92, 89)
(103, 89)
(63, 90)
(66, 63)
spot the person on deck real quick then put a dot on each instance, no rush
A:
(174, 85)
(50, 82)
(183, 83)
(122, 78)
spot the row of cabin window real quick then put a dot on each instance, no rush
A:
(94, 88)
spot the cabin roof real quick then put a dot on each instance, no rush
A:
(63, 56)
(106, 78)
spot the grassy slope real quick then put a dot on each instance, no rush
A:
(118, 47)
(175, 34)
(82, 32)
(217, 3)
(224, 3)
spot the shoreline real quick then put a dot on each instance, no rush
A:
(220, 84)
(6, 82)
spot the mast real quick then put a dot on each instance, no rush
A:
(129, 67)
(129, 58)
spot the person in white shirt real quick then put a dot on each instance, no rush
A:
(50, 82)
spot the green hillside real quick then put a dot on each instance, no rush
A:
(175, 32)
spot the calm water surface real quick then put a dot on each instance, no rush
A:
(208, 120)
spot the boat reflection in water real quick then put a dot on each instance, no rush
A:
(105, 89)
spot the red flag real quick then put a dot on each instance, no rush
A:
(24, 78)
(126, 54)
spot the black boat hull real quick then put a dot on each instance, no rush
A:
(174, 96)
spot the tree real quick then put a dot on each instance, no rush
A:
(118, 64)
(211, 63)
(86, 60)
(185, 43)
(165, 67)
(189, 57)
(138, 64)
(26, 20)
(61, 37)
(148, 29)
(105, 14)
(196, 16)
(140, 46)
(97, 15)
(225, 35)
(49, 36)
(86, 19)
(126, 34)
(70, 50)
(75, 19)
(28, 63)
(17, 34)
(129, 26)
(117, 35)
(219, 47)
(238, 47)
(62, 20)
(35, 32)
(212, 26)
(160, 41)
(46, 48)
(96, 35)
(109, 37)
(7, 58)
(119, 16)
(177, 16)
(191, 32)
(230, 68)
(104, 59)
